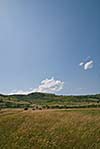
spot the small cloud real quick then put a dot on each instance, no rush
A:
(20, 92)
(81, 64)
(89, 65)
(50, 85)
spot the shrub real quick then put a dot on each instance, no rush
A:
(25, 108)
(33, 108)
(40, 108)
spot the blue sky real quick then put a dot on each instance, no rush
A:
(53, 41)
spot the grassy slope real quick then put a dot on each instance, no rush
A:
(59, 129)
(47, 99)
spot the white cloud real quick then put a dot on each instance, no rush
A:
(20, 92)
(89, 65)
(81, 64)
(46, 86)
(50, 85)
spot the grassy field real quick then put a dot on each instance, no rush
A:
(50, 129)
(49, 101)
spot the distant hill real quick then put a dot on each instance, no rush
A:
(47, 99)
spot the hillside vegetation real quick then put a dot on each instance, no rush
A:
(49, 101)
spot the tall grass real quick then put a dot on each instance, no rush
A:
(50, 129)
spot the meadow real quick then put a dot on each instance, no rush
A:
(49, 101)
(50, 129)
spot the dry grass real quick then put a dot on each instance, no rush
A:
(54, 129)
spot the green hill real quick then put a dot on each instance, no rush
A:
(49, 100)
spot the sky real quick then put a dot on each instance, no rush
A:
(50, 46)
